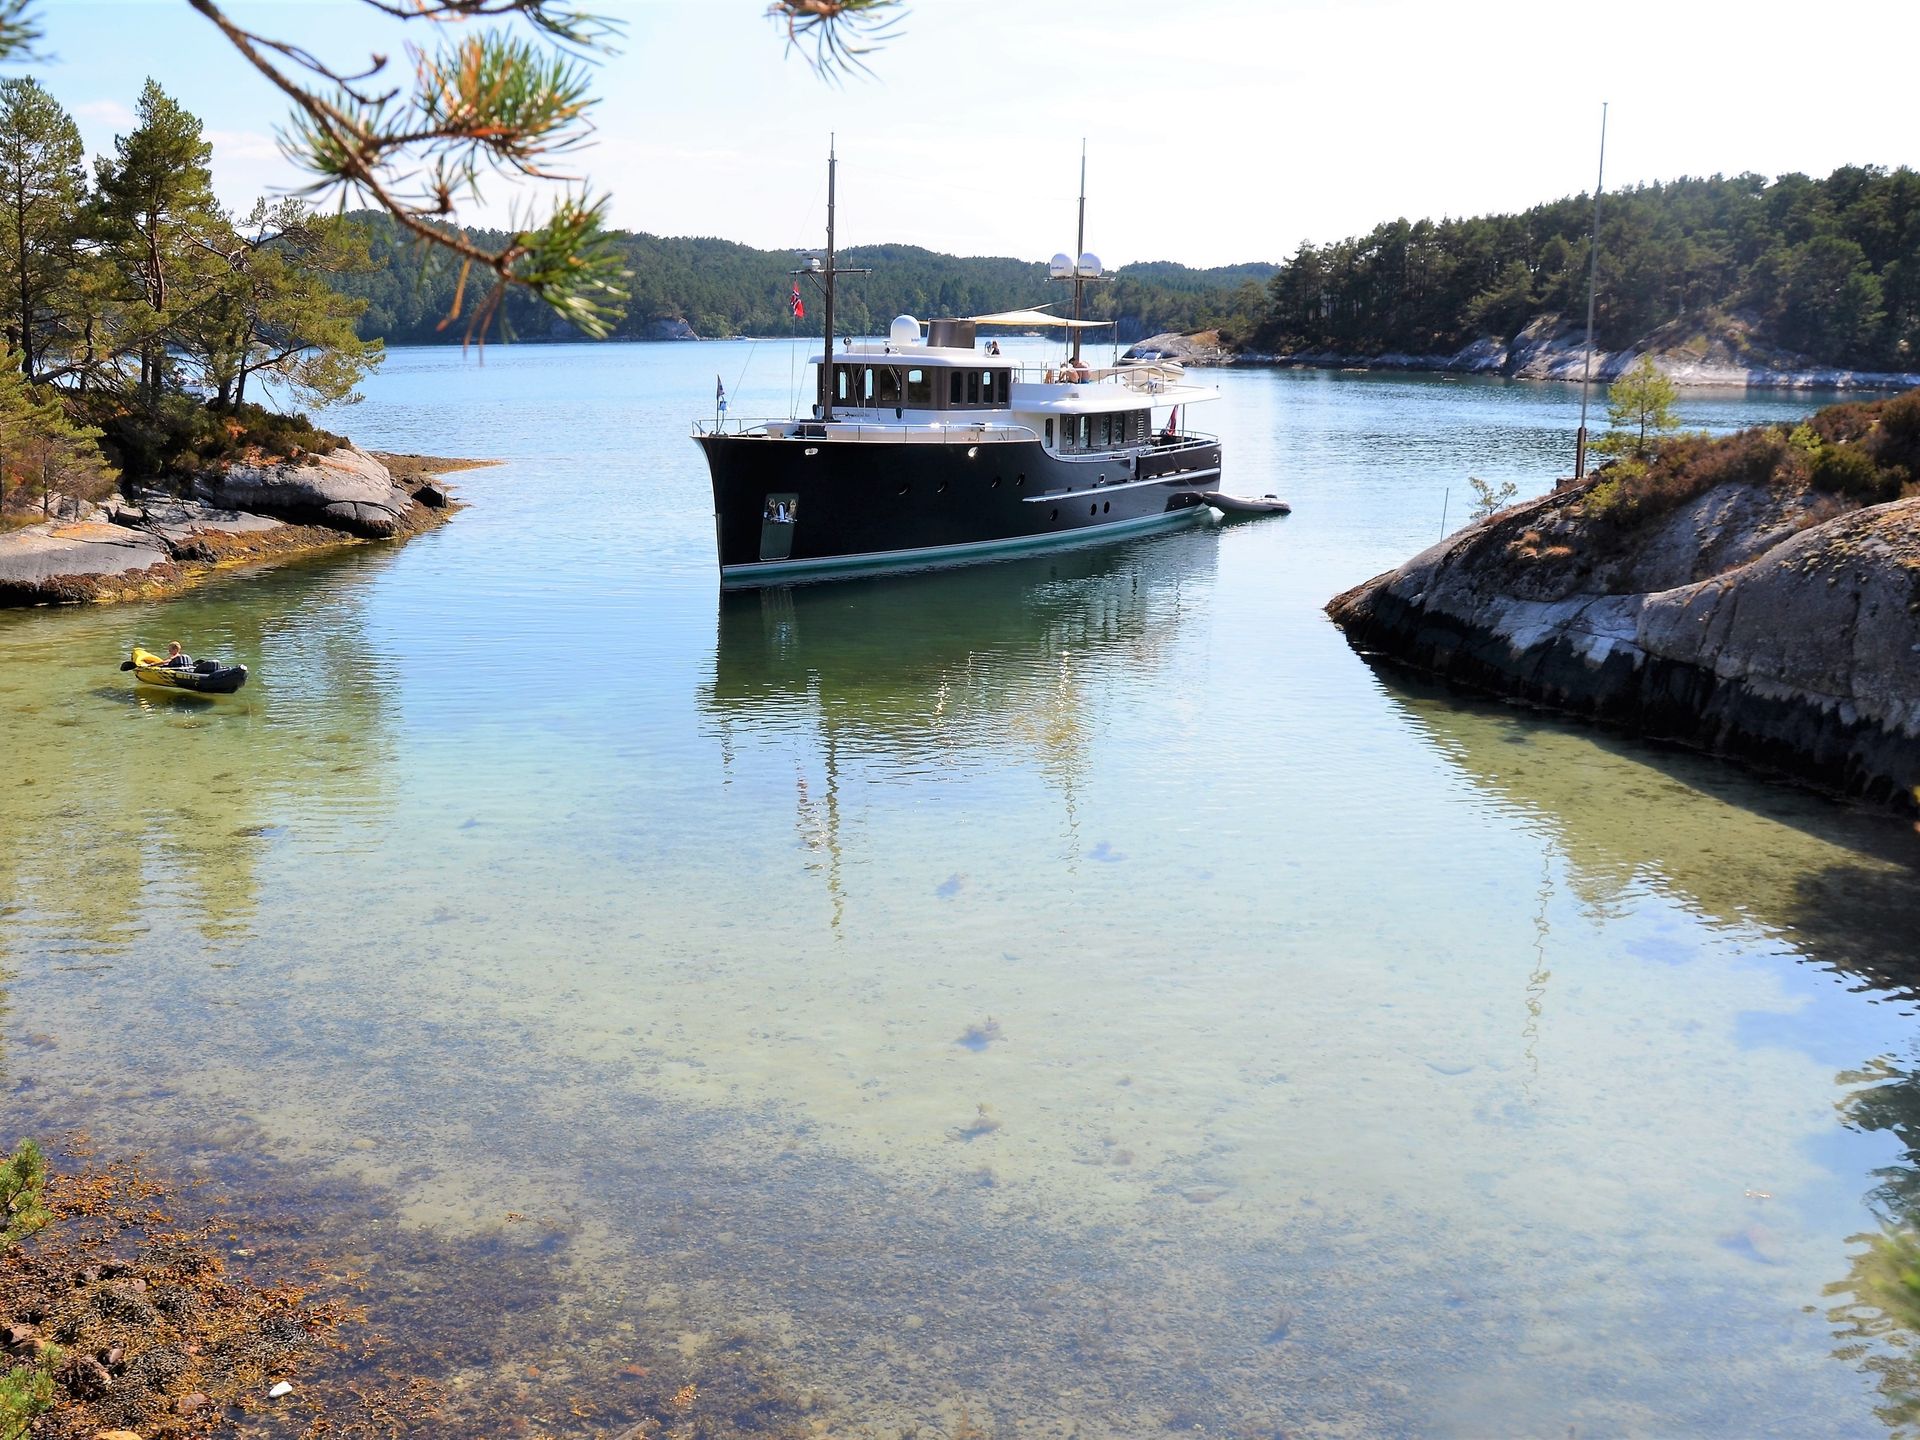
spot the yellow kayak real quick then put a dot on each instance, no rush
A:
(205, 678)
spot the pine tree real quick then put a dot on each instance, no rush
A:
(42, 185)
(275, 310)
(43, 452)
(1640, 409)
(154, 197)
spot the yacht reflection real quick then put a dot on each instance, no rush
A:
(1841, 886)
(125, 802)
(912, 675)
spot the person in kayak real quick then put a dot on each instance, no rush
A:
(177, 659)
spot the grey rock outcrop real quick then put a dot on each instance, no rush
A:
(346, 489)
(59, 560)
(1203, 348)
(1552, 347)
(1749, 623)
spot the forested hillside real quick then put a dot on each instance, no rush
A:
(1829, 269)
(716, 287)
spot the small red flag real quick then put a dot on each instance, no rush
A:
(796, 304)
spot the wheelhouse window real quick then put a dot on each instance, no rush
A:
(956, 389)
(920, 389)
(886, 385)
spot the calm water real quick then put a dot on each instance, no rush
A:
(1072, 997)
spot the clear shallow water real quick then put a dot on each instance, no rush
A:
(1072, 996)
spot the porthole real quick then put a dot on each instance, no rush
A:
(1105, 506)
(941, 488)
(1094, 509)
(1054, 514)
(903, 489)
(1019, 482)
(996, 483)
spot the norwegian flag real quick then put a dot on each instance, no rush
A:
(796, 304)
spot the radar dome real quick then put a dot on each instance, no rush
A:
(1061, 266)
(1089, 264)
(905, 330)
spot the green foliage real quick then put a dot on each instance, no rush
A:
(26, 1391)
(23, 1187)
(718, 287)
(182, 435)
(1860, 451)
(18, 30)
(153, 200)
(1641, 407)
(1849, 470)
(42, 183)
(1828, 268)
(1489, 499)
(43, 452)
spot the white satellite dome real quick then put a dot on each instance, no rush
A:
(1089, 263)
(905, 330)
(1061, 266)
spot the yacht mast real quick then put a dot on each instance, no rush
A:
(1080, 248)
(826, 353)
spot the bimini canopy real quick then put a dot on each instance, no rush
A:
(1030, 319)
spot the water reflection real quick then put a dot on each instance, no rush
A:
(1878, 1321)
(898, 678)
(1841, 886)
(123, 802)
(1838, 886)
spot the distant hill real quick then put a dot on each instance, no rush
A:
(1824, 269)
(712, 287)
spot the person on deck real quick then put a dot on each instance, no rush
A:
(177, 659)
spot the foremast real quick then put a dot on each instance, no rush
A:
(826, 278)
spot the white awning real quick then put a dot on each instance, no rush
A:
(1033, 318)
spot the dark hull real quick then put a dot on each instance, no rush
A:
(217, 682)
(858, 506)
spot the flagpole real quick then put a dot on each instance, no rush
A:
(1593, 282)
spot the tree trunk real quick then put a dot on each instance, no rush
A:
(26, 292)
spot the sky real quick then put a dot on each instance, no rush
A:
(1217, 131)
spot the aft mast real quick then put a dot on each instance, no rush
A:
(1080, 267)
(1079, 249)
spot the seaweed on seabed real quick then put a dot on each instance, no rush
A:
(141, 1325)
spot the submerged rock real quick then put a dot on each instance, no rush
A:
(1759, 620)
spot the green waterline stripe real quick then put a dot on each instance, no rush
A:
(973, 550)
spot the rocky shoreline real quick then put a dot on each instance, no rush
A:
(141, 546)
(1551, 348)
(1777, 625)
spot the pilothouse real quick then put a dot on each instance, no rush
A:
(930, 447)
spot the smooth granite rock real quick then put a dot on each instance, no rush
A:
(1748, 622)
(347, 489)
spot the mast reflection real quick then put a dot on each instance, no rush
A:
(911, 676)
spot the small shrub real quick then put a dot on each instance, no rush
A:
(1848, 469)
(1489, 499)
(23, 1189)
(181, 435)
(1897, 441)
(1607, 500)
